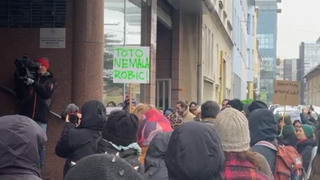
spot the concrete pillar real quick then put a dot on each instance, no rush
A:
(87, 62)
(177, 54)
(149, 38)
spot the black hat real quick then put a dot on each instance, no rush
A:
(121, 128)
(256, 104)
(102, 167)
(236, 104)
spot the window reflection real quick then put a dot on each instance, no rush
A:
(266, 41)
(122, 26)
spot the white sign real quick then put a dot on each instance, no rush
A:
(110, 109)
(53, 38)
(131, 64)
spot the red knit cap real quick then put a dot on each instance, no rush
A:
(44, 61)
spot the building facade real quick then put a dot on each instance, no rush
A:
(267, 36)
(125, 25)
(242, 48)
(312, 90)
(257, 62)
(280, 72)
(290, 69)
(252, 49)
(217, 51)
(309, 57)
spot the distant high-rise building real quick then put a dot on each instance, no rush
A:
(309, 57)
(267, 36)
(290, 69)
(280, 70)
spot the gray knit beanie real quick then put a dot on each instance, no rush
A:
(102, 167)
(233, 129)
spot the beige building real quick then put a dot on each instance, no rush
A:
(217, 51)
(312, 93)
(257, 60)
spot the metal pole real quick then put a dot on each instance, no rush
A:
(125, 41)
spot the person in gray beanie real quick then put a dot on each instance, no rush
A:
(241, 162)
(102, 167)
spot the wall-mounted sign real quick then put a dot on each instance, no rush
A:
(53, 38)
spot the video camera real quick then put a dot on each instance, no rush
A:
(26, 68)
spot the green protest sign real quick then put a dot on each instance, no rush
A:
(131, 64)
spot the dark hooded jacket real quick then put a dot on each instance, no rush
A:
(155, 167)
(194, 152)
(304, 148)
(263, 133)
(288, 137)
(36, 98)
(21, 140)
(78, 142)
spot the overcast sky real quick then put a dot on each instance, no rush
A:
(299, 21)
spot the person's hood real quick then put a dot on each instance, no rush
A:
(154, 114)
(288, 130)
(21, 140)
(194, 152)
(154, 123)
(94, 115)
(262, 125)
(256, 104)
(156, 150)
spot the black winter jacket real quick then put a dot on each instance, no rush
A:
(155, 166)
(263, 133)
(78, 142)
(36, 98)
(194, 152)
(304, 148)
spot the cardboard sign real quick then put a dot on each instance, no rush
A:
(110, 109)
(131, 65)
(286, 93)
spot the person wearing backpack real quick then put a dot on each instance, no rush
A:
(241, 162)
(79, 140)
(119, 136)
(284, 161)
(263, 133)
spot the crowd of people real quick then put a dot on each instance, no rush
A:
(187, 142)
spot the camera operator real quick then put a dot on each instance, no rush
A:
(35, 95)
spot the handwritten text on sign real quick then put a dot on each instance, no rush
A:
(286, 93)
(131, 65)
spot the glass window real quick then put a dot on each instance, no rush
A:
(266, 41)
(122, 26)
